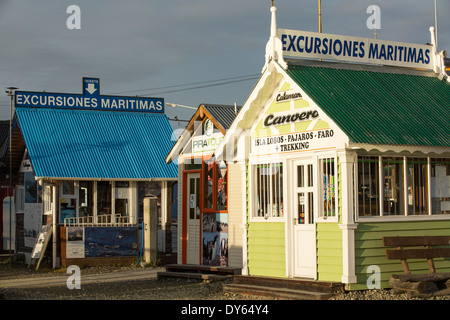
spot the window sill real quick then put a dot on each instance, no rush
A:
(403, 218)
(332, 219)
(269, 219)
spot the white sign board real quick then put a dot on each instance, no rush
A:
(312, 45)
(206, 144)
(293, 142)
(75, 247)
(42, 241)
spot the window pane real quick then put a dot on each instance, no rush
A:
(192, 198)
(310, 175)
(208, 184)
(197, 198)
(393, 186)
(147, 189)
(262, 190)
(417, 186)
(301, 208)
(104, 198)
(300, 176)
(277, 195)
(68, 208)
(68, 187)
(311, 207)
(440, 186)
(193, 164)
(328, 187)
(222, 178)
(368, 185)
(86, 199)
(269, 190)
(122, 195)
(48, 199)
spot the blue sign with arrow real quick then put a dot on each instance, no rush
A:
(89, 100)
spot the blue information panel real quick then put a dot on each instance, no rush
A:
(89, 100)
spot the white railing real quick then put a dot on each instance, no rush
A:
(106, 220)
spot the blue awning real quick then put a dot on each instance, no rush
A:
(80, 144)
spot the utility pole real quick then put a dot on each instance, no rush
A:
(10, 93)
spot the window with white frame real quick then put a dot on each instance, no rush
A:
(48, 200)
(393, 192)
(368, 186)
(96, 202)
(409, 186)
(68, 200)
(86, 199)
(327, 202)
(417, 186)
(268, 190)
(104, 201)
(440, 186)
(122, 198)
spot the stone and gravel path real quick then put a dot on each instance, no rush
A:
(133, 283)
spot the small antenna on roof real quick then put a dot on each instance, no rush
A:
(435, 23)
(320, 17)
(375, 22)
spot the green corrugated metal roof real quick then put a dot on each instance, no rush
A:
(380, 107)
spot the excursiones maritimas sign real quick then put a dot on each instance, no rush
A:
(89, 100)
(303, 44)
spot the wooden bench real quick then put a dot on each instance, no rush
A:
(419, 247)
(427, 252)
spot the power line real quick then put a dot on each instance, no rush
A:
(224, 81)
(199, 87)
(179, 120)
(253, 76)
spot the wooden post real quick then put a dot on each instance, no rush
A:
(430, 262)
(404, 263)
(150, 229)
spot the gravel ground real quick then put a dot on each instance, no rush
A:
(166, 289)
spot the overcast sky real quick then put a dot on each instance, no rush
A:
(157, 47)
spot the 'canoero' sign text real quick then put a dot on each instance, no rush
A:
(292, 117)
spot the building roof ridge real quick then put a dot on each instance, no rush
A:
(361, 67)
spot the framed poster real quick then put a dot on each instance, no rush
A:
(75, 242)
(215, 239)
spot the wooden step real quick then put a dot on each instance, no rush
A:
(188, 271)
(202, 269)
(283, 293)
(286, 288)
(289, 283)
(192, 275)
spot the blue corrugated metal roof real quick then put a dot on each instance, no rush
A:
(97, 144)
